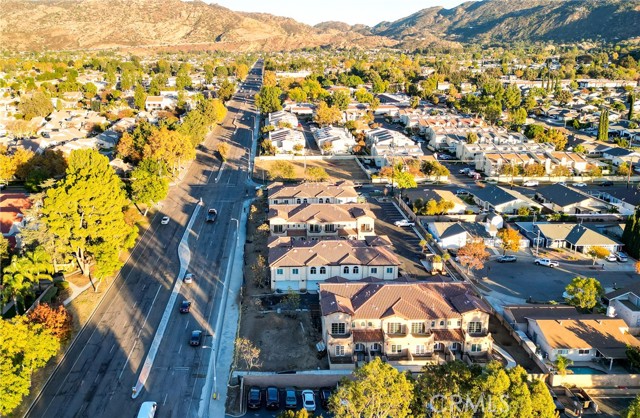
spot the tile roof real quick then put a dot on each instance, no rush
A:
(12, 206)
(331, 253)
(448, 335)
(319, 212)
(368, 335)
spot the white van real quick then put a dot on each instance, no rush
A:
(147, 410)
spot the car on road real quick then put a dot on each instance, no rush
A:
(254, 399)
(308, 400)
(185, 306)
(196, 338)
(188, 278)
(212, 214)
(545, 262)
(611, 258)
(606, 183)
(147, 409)
(404, 222)
(290, 400)
(530, 183)
(273, 398)
(325, 394)
(507, 259)
(464, 170)
(165, 220)
(579, 184)
(622, 257)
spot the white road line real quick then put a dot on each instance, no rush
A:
(165, 399)
(179, 348)
(186, 325)
(127, 361)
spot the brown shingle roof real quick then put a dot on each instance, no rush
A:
(368, 336)
(330, 252)
(319, 212)
(343, 189)
(446, 335)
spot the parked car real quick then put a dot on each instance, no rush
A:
(325, 394)
(404, 222)
(506, 259)
(464, 170)
(212, 214)
(611, 258)
(308, 400)
(579, 184)
(254, 400)
(196, 338)
(471, 173)
(606, 183)
(188, 278)
(273, 398)
(290, 400)
(622, 257)
(546, 262)
(530, 183)
(462, 192)
(185, 306)
(165, 220)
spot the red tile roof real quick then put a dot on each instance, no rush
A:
(12, 206)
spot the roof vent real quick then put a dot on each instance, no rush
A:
(559, 322)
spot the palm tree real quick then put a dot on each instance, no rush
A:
(562, 364)
(37, 265)
(16, 285)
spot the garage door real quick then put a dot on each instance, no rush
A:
(285, 285)
(313, 286)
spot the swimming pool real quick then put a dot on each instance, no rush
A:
(584, 370)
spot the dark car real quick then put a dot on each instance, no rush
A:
(196, 338)
(290, 400)
(212, 215)
(325, 394)
(273, 397)
(506, 259)
(254, 400)
(606, 183)
(185, 306)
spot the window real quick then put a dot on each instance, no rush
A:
(476, 348)
(359, 347)
(294, 271)
(313, 270)
(362, 323)
(330, 228)
(394, 328)
(420, 349)
(278, 229)
(338, 328)
(275, 201)
(396, 348)
(442, 323)
(323, 270)
(583, 352)
(433, 324)
(356, 270)
(279, 272)
(374, 270)
(474, 327)
(339, 350)
(375, 347)
(298, 201)
(563, 351)
(417, 328)
(345, 270)
(315, 228)
(304, 200)
(370, 324)
(459, 322)
(366, 228)
(389, 270)
(321, 200)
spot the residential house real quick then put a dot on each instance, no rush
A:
(625, 200)
(454, 235)
(321, 221)
(502, 200)
(385, 143)
(407, 324)
(618, 156)
(282, 119)
(303, 265)
(563, 199)
(330, 193)
(576, 237)
(154, 103)
(335, 140)
(625, 304)
(459, 206)
(12, 215)
(287, 141)
(517, 315)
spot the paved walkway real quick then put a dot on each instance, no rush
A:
(75, 292)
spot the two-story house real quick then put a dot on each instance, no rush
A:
(299, 265)
(312, 221)
(625, 304)
(329, 193)
(408, 324)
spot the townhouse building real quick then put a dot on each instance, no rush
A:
(385, 143)
(287, 141)
(329, 193)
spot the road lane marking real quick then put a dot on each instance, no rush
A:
(165, 399)
(179, 348)
(186, 325)
(127, 360)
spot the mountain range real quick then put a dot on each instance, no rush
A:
(174, 24)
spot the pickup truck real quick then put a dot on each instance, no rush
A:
(545, 262)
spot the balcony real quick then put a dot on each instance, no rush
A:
(422, 334)
(339, 337)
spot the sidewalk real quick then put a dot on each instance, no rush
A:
(75, 292)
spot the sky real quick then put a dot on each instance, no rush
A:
(368, 12)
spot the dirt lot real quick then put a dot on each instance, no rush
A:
(286, 339)
(503, 338)
(336, 169)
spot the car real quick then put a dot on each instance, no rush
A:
(579, 184)
(611, 258)
(290, 400)
(462, 192)
(471, 173)
(308, 400)
(464, 170)
(622, 257)
(404, 222)
(273, 398)
(254, 399)
(196, 338)
(212, 214)
(325, 394)
(530, 183)
(165, 220)
(545, 262)
(185, 306)
(606, 183)
(506, 259)
(188, 278)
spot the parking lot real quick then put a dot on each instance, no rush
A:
(264, 413)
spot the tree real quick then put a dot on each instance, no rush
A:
(555, 137)
(562, 364)
(633, 411)
(316, 174)
(268, 100)
(291, 300)
(24, 348)
(564, 97)
(269, 79)
(472, 137)
(542, 405)
(149, 184)
(341, 99)
(561, 171)
(223, 150)
(512, 97)
(297, 95)
(248, 353)
(518, 117)
(57, 320)
(597, 252)
(623, 169)
(259, 270)
(534, 131)
(327, 115)
(242, 70)
(404, 180)
(473, 255)
(603, 125)
(434, 168)
(584, 292)
(85, 212)
(169, 147)
(378, 390)
(281, 170)
(534, 170)
(633, 356)
(291, 414)
(510, 239)
(415, 102)
(139, 97)
(38, 104)
(226, 90)
(15, 286)
(632, 102)
(519, 395)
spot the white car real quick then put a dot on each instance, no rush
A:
(579, 184)
(464, 170)
(188, 278)
(165, 220)
(530, 183)
(404, 222)
(308, 400)
(611, 258)
(546, 262)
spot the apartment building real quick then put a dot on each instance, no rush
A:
(339, 193)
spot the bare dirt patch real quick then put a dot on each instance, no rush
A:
(336, 169)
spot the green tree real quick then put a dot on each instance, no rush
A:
(139, 97)
(472, 137)
(584, 292)
(226, 90)
(149, 184)
(327, 115)
(268, 100)
(378, 390)
(519, 395)
(633, 411)
(518, 117)
(562, 364)
(632, 102)
(404, 180)
(542, 405)
(603, 126)
(281, 170)
(24, 348)
(341, 99)
(555, 137)
(631, 234)
(316, 174)
(85, 212)
(512, 97)
(169, 147)
(37, 104)
(510, 239)
(597, 252)
(564, 97)
(297, 95)
(534, 131)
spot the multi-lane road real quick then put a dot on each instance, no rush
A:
(96, 377)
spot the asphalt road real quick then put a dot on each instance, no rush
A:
(97, 375)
